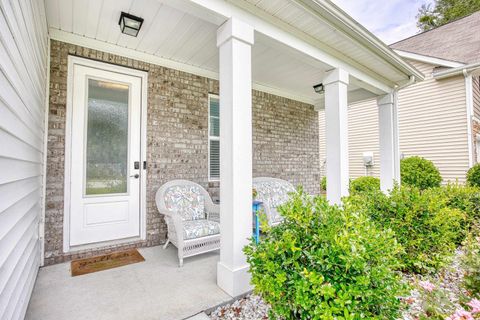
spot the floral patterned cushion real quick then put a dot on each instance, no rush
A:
(187, 201)
(200, 228)
(274, 193)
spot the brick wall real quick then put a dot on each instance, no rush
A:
(285, 141)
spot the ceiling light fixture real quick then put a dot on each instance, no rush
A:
(130, 24)
(319, 88)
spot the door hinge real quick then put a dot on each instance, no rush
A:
(144, 165)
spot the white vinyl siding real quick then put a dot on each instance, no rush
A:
(23, 73)
(363, 137)
(213, 138)
(476, 96)
(432, 124)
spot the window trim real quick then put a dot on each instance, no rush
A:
(210, 138)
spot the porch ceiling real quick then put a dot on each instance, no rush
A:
(171, 31)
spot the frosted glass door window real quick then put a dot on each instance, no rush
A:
(107, 138)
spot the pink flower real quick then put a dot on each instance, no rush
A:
(475, 305)
(427, 285)
(461, 315)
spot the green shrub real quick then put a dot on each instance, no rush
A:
(364, 184)
(326, 262)
(470, 261)
(419, 172)
(323, 183)
(422, 222)
(473, 176)
(464, 198)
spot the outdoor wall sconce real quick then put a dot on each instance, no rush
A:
(130, 24)
(319, 88)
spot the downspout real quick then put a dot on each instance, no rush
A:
(469, 105)
(396, 151)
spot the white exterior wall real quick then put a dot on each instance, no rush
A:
(432, 124)
(23, 65)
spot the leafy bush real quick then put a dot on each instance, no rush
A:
(422, 222)
(473, 176)
(419, 172)
(464, 198)
(323, 183)
(364, 184)
(326, 262)
(470, 261)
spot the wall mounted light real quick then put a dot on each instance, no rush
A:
(130, 24)
(319, 88)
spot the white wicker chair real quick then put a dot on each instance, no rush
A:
(193, 220)
(272, 192)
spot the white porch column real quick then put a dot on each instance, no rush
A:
(336, 134)
(234, 40)
(389, 148)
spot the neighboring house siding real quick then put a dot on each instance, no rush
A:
(476, 119)
(285, 140)
(476, 96)
(363, 137)
(432, 124)
(23, 66)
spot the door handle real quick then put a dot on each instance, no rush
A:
(136, 176)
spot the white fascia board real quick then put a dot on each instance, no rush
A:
(339, 19)
(94, 44)
(428, 59)
(277, 29)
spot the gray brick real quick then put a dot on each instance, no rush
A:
(285, 141)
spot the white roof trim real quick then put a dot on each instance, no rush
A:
(428, 59)
(275, 28)
(94, 44)
(358, 32)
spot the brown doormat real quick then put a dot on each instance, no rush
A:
(106, 261)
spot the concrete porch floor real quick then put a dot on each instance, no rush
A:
(155, 289)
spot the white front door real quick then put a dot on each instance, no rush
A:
(105, 154)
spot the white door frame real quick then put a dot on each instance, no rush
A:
(73, 60)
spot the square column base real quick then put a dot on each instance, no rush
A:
(233, 282)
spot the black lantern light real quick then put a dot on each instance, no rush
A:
(130, 24)
(319, 88)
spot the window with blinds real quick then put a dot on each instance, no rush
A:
(213, 138)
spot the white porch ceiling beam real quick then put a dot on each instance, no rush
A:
(279, 30)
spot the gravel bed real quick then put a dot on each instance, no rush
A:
(252, 307)
(447, 280)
